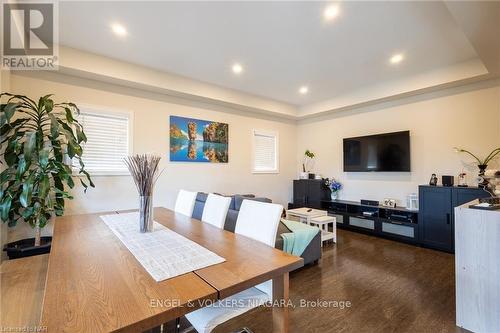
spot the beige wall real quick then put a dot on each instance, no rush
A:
(468, 118)
(151, 134)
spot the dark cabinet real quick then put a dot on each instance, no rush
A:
(309, 193)
(436, 217)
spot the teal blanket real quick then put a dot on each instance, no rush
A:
(295, 242)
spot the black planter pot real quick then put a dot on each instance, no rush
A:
(26, 248)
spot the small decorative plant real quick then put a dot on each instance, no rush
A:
(36, 138)
(334, 187)
(308, 158)
(481, 162)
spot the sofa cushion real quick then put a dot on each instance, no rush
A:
(238, 200)
(279, 240)
(231, 217)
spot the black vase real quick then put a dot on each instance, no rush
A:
(483, 182)
(482, 169)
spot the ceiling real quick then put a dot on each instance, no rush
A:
(281, 45)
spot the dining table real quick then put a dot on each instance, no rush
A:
(95, 284)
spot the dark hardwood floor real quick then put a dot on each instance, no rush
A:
(392, 287)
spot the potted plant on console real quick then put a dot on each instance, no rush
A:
(39, 141)
(482, 164)
(307, 165)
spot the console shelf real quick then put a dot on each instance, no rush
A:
(396, 223)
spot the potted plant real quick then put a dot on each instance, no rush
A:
(482, 164)
(37, 139)
(306, 165)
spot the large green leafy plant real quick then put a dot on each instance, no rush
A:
(37, 139)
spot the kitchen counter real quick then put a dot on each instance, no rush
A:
(477, 268)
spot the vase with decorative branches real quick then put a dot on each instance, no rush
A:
(144, 171)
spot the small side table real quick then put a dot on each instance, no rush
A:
(304, 214)
(322, 222)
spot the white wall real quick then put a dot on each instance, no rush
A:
(437, 123)
(151, 134)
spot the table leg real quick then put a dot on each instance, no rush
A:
(280, 298)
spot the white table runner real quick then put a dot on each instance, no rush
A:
(163, 253)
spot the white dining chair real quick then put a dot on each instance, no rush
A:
(185, 202)
(259, 221)
(215, 210)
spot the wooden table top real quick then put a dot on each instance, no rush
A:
(95, 284)
(22, 286)
(248, 262)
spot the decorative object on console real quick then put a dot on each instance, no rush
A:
(493, 178)
(144, 171)
(447, 180)
(307, 164)
(334, 187)
(434, 180)
(369, 202)
(462, 182)
(195, 140)
(481, 164)
(412, 201)
(37, 136)
(389, 203)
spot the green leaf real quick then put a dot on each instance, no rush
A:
(10, 154)
(80, 135)
(43, 187)
(21, 168)
(8, 110)
(69, 115)
(43, 158)
(25, 197)
(5, 208)
(54, 126)
(29, 145)
(49, 104)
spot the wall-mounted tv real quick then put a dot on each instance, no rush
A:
(381, 152)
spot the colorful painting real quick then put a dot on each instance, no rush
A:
(195, 140)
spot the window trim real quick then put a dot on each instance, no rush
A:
(277, 145)
(111, 112)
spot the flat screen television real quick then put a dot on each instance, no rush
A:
(381, 152)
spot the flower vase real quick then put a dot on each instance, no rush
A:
(334, 195)
(146, 213)
(482, 182)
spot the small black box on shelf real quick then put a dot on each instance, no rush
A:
(447, 180)
(369, 202)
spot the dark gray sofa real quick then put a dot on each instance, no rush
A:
(311, 254)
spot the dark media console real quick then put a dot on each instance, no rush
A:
(432, 226)
(395, 223)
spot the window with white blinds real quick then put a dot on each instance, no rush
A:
(265, 152)
(107, 143)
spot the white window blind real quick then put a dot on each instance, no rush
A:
(265, 155)
(107, 142)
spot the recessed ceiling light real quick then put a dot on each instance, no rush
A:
(237, 68)
(303, 90)
(397, 58)
(331, 12)
(119, 29)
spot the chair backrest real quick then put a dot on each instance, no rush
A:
(259, 220)
(185, 202)
(215, 210)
